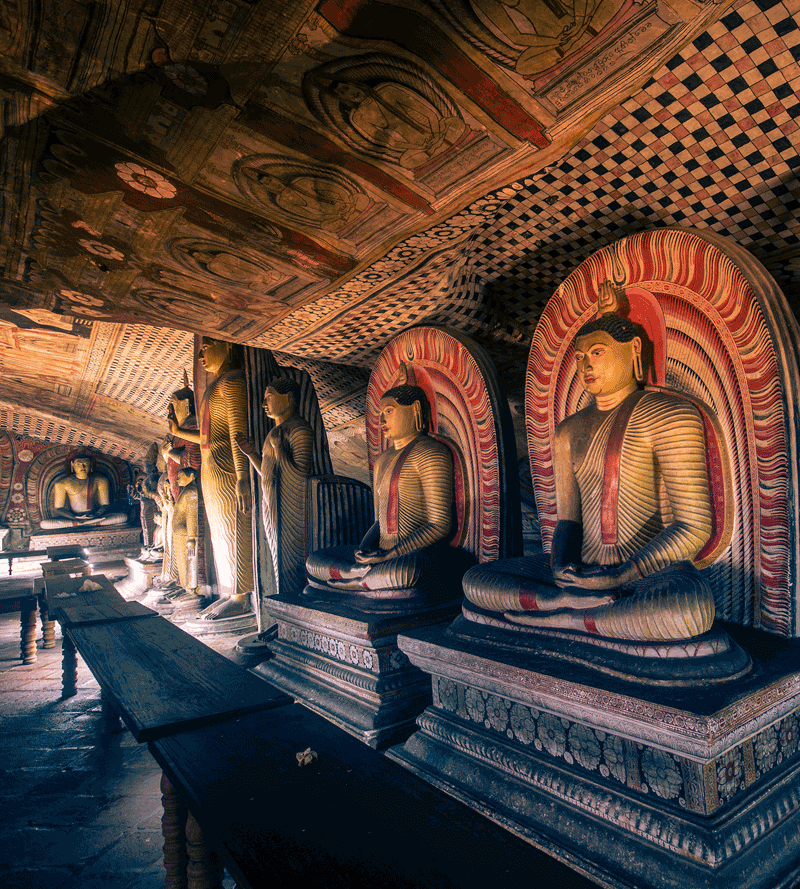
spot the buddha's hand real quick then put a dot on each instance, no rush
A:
(191, 548)
(244, 499)
(596, 577)
(246, 446)
(173, 426)
(370, 556)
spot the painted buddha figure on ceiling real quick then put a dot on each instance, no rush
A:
(406, 551)
(633, 505)
(82, 498)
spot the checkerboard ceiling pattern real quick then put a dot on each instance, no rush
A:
(709, 142)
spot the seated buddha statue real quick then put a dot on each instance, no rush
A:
(633, 510)
(406, 553)
(82, 498)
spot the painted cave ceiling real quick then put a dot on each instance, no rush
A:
(315, 177)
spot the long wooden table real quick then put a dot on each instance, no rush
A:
(349, 817)
(28, 592)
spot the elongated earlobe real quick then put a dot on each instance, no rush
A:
(418, 416)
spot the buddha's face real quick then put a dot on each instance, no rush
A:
(277, 404)
(350, 93)
(397, 421)
(81, 467)
(604, 365)
(213, 354)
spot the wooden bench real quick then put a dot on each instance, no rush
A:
(75, 608)
(350, 817)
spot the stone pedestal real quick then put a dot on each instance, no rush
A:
(648, 783)
(140, 577)
(344, 663)
(123, 540)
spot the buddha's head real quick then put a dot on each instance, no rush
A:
(219, 355)
(81, 465)
(185, 477)
(281, 398)
(350, 94)
(404, 412)
(608, 353)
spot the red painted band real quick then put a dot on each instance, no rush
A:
(527, 601)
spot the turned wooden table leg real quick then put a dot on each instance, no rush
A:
(28, 631)
(111, 720)
(69, 667)
(203, 869)
(48, 625)
(173, 829)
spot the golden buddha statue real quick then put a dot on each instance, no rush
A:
(82, 498)
(633, 506)
(168, 578)
(284, 466)
(185, 530)
(406, 552)
(224, 477)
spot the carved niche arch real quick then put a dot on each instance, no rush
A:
(52, 464)
(731, 343)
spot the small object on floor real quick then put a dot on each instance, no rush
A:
(89, 586)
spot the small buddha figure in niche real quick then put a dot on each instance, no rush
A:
(82, 498)
(284, 466)
(184, 534)
(408, 545)
(633, 506)
(224, 477)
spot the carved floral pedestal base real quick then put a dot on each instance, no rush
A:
(344, 664)
(634, 784)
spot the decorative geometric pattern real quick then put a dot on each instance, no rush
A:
(710, 142)
(147, 366)
(695, 786)
(53, 432)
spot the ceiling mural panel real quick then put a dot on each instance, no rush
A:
(316, 177)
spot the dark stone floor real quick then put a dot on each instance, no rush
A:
(80, 805)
